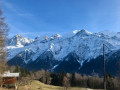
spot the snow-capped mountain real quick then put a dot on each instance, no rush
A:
(55, 52)
(18, 41)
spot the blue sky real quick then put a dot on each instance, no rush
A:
(35, 17)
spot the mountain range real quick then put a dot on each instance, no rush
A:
(79, 51)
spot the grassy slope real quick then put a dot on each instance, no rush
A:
(36, 85)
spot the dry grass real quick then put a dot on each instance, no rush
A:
(36, 85)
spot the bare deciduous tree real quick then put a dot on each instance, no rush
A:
(66, 82)
(3, 35)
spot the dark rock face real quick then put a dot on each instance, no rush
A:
(69, 64)
(93, 66)
(96, 65)
(17, 60)
(112, 63)
(44, 61)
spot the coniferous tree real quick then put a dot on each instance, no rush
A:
(60, 78)
(73, 83)
(17, 69)
(54, 79)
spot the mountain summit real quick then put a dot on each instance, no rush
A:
(18, 40)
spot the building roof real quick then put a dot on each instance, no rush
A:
(8, 74)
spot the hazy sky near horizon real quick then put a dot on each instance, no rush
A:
(34, 17)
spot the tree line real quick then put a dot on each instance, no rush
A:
(69, 80)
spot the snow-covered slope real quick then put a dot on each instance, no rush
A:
(86, 45)
(18, 41)
(111, 33)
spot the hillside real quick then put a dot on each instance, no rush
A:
(36, 85)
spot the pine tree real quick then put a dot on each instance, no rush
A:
(60, 78)
(73, 83)
(17, 69)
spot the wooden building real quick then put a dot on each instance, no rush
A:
(9, 78)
